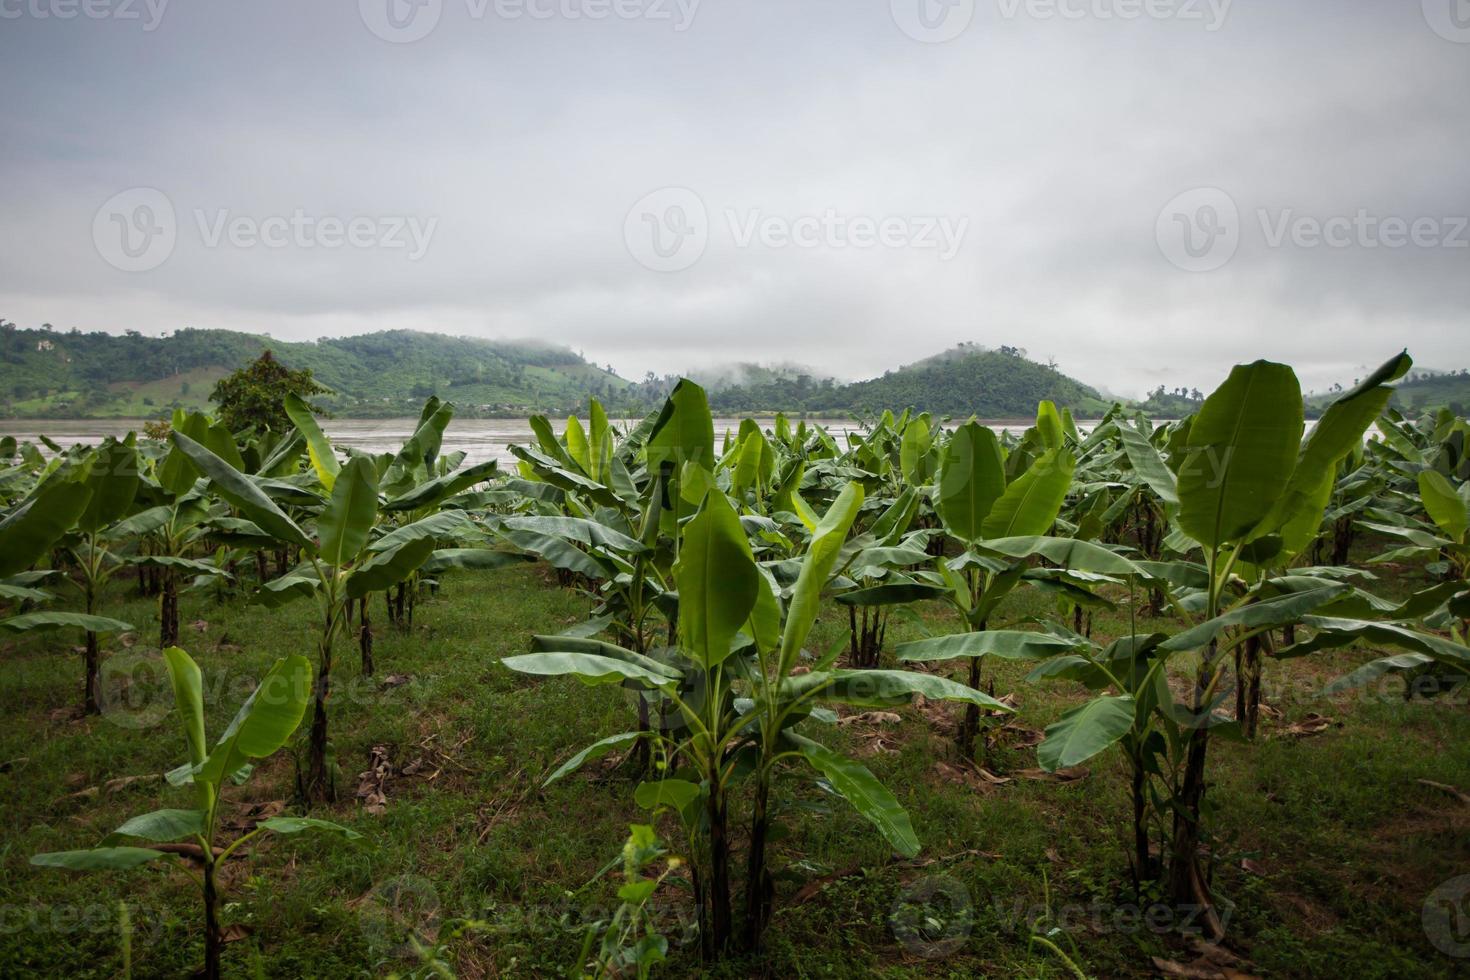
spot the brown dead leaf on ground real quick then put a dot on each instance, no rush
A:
(1458, 794)
(1312, 724)
(372, 783)
(1018, 736)
(874, 744)
(937, 714)
(871, 718)
(814, 887)
(1060, 776)
(1211, 962)
(109, 787)
(969, 774)
(246, 818)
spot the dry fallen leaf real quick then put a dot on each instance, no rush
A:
(1212, 962)
(1458, 794)
(371, 783)
(807, 891)
(247, 818)
(1060, 776)
(235, 932)
(871, 718)
(1312, 724)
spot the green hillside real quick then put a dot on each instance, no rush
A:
(1423, 390)
(963, 381)
(1450, 389)
(46, 373)
(50, 374)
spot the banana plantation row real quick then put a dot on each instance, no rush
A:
(708, 559)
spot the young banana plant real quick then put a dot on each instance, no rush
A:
(110, 476)
(193, 837)
(738, 694)
(1000, 526)
(1251, 495)
(342, 563)
(176, 521)
(28, 533)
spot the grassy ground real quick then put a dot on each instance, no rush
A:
(1327, 846)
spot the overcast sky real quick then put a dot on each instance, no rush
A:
(1128, 187)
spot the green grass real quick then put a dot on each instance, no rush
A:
(1344, 843)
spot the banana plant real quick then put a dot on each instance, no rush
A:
(416, 484)
(109, 476)
(28, 532)
(1251, 496)
(193, 838)
(341, 564)
(176, 522)
(1000, 523)
(885, 572)
(1444, 539)
(735, 685)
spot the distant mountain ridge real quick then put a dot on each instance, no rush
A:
(48, 373)
(965, 380)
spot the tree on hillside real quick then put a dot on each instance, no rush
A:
(254, 395)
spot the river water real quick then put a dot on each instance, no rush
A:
(480, 439)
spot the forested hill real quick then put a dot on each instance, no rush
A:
(47, 373)
(963, 381)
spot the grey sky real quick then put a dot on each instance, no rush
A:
(1046, 136)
